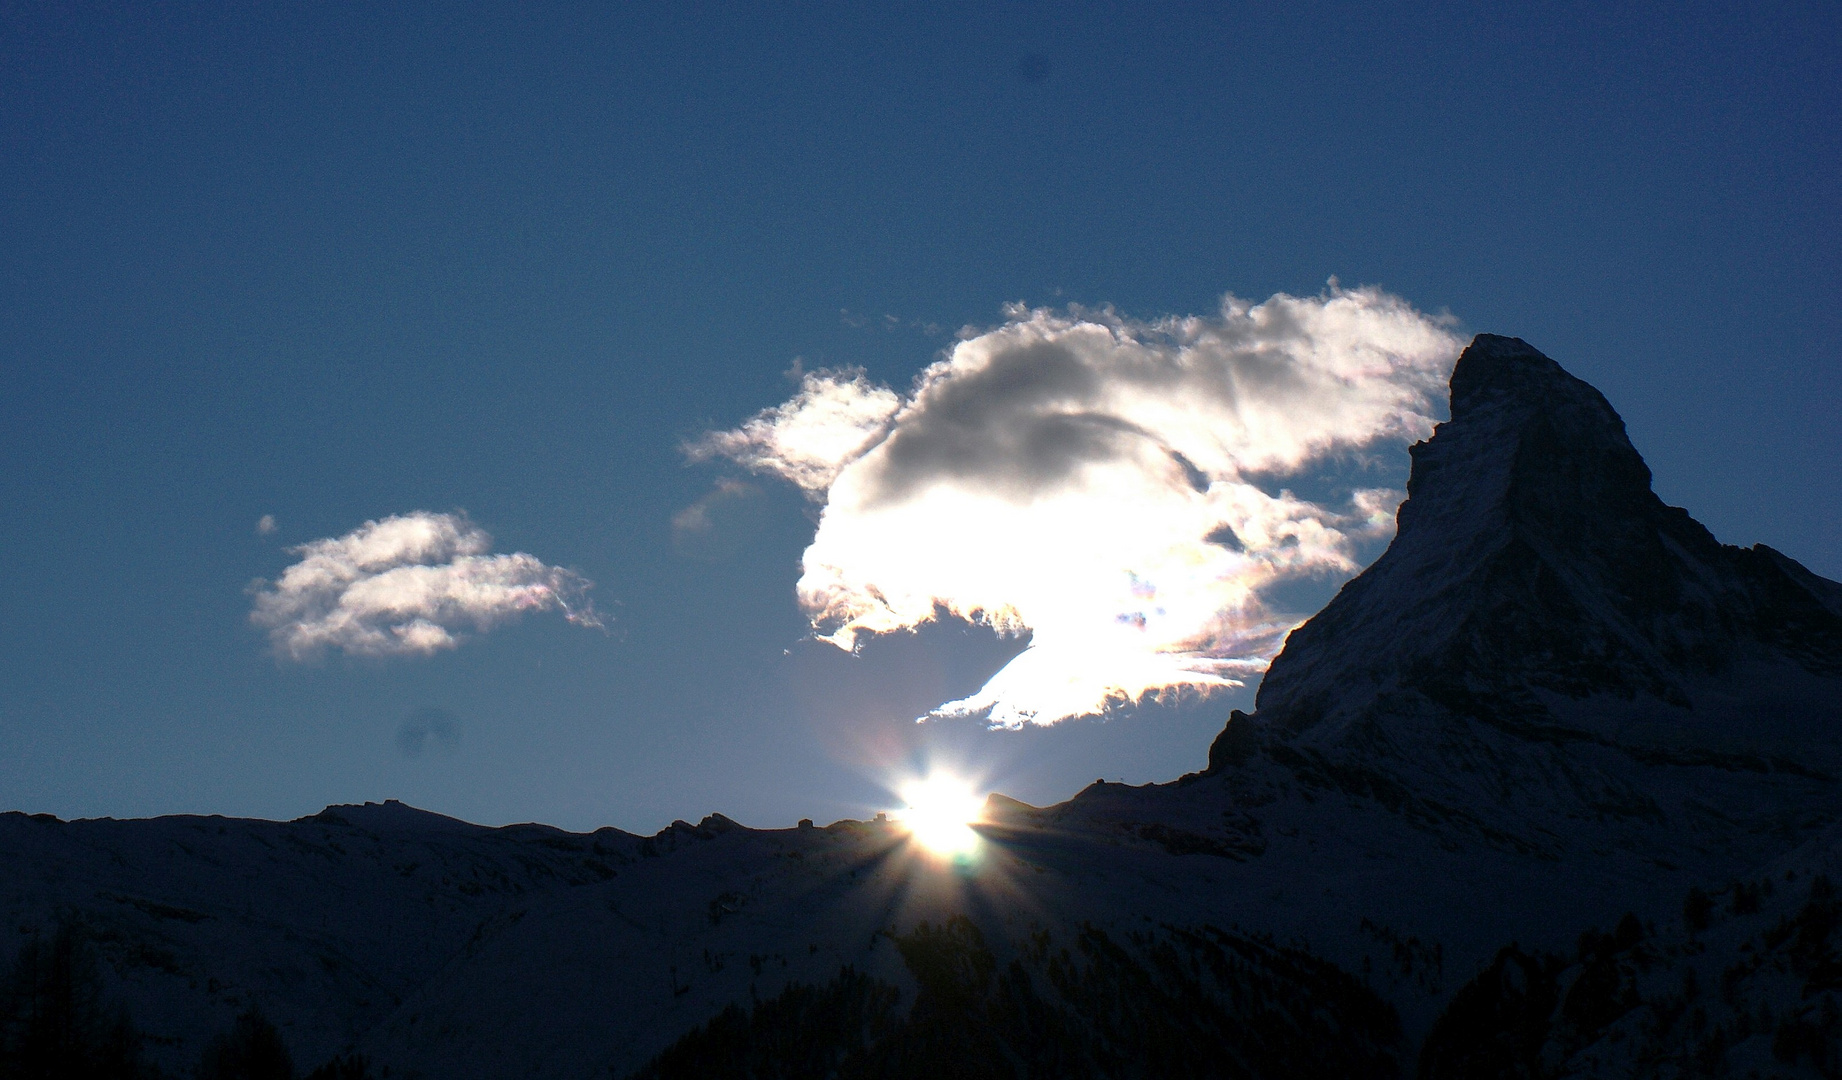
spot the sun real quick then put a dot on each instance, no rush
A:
(940, 812)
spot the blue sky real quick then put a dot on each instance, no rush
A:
(337, 264)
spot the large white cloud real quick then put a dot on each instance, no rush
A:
(407, 586)
(1112, 486)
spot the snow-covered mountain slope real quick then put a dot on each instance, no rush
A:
(1547, 664)
(326, 922)
(1549, 657)
(1741, 980)
(449, 950)
(1553, 701)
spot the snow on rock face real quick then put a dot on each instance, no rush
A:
(1532, 549)
(1546, 642)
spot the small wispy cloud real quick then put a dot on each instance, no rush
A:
(428, 729)
(407, 585)
(721, 523)
(699, 517)
(265, 525)
(1118, 488)
(835, 417)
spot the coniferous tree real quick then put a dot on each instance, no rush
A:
(54, 1022)
(251, 1050)
(344, 1067)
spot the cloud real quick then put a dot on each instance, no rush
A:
(835, 417)
(407, 586)
(717, 525)
(700, 517)
(428, 728)
(265, 525)
(1118, 488)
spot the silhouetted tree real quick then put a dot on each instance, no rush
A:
(1497, 1024)
(54, 1023)
(251, 1050)
(1198, 1004)
(343, 1067)
(1697, 909)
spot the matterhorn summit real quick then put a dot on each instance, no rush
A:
(1549, 657)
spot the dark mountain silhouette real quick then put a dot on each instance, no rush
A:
(1549, 790)
(1549, 656)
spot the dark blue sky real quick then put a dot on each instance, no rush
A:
(337, 264)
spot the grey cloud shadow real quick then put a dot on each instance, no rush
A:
(1028, 422)
(1224, 535)
(1022, 425)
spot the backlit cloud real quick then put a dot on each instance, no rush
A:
(835, 417)
(1117, 488)
(407, 585)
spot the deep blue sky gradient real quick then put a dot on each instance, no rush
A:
(334, 263)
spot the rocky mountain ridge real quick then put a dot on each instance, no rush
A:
(1547, 648)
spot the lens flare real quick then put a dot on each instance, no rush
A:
(940, 812)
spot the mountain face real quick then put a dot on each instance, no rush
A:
(1547, 653)
(1531, 556)
(1549, 790)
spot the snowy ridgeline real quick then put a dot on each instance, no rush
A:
(1556, 713)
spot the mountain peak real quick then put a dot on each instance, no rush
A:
(1529, 448)
(1538, 595)
(389, 816)
(1493, 364)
